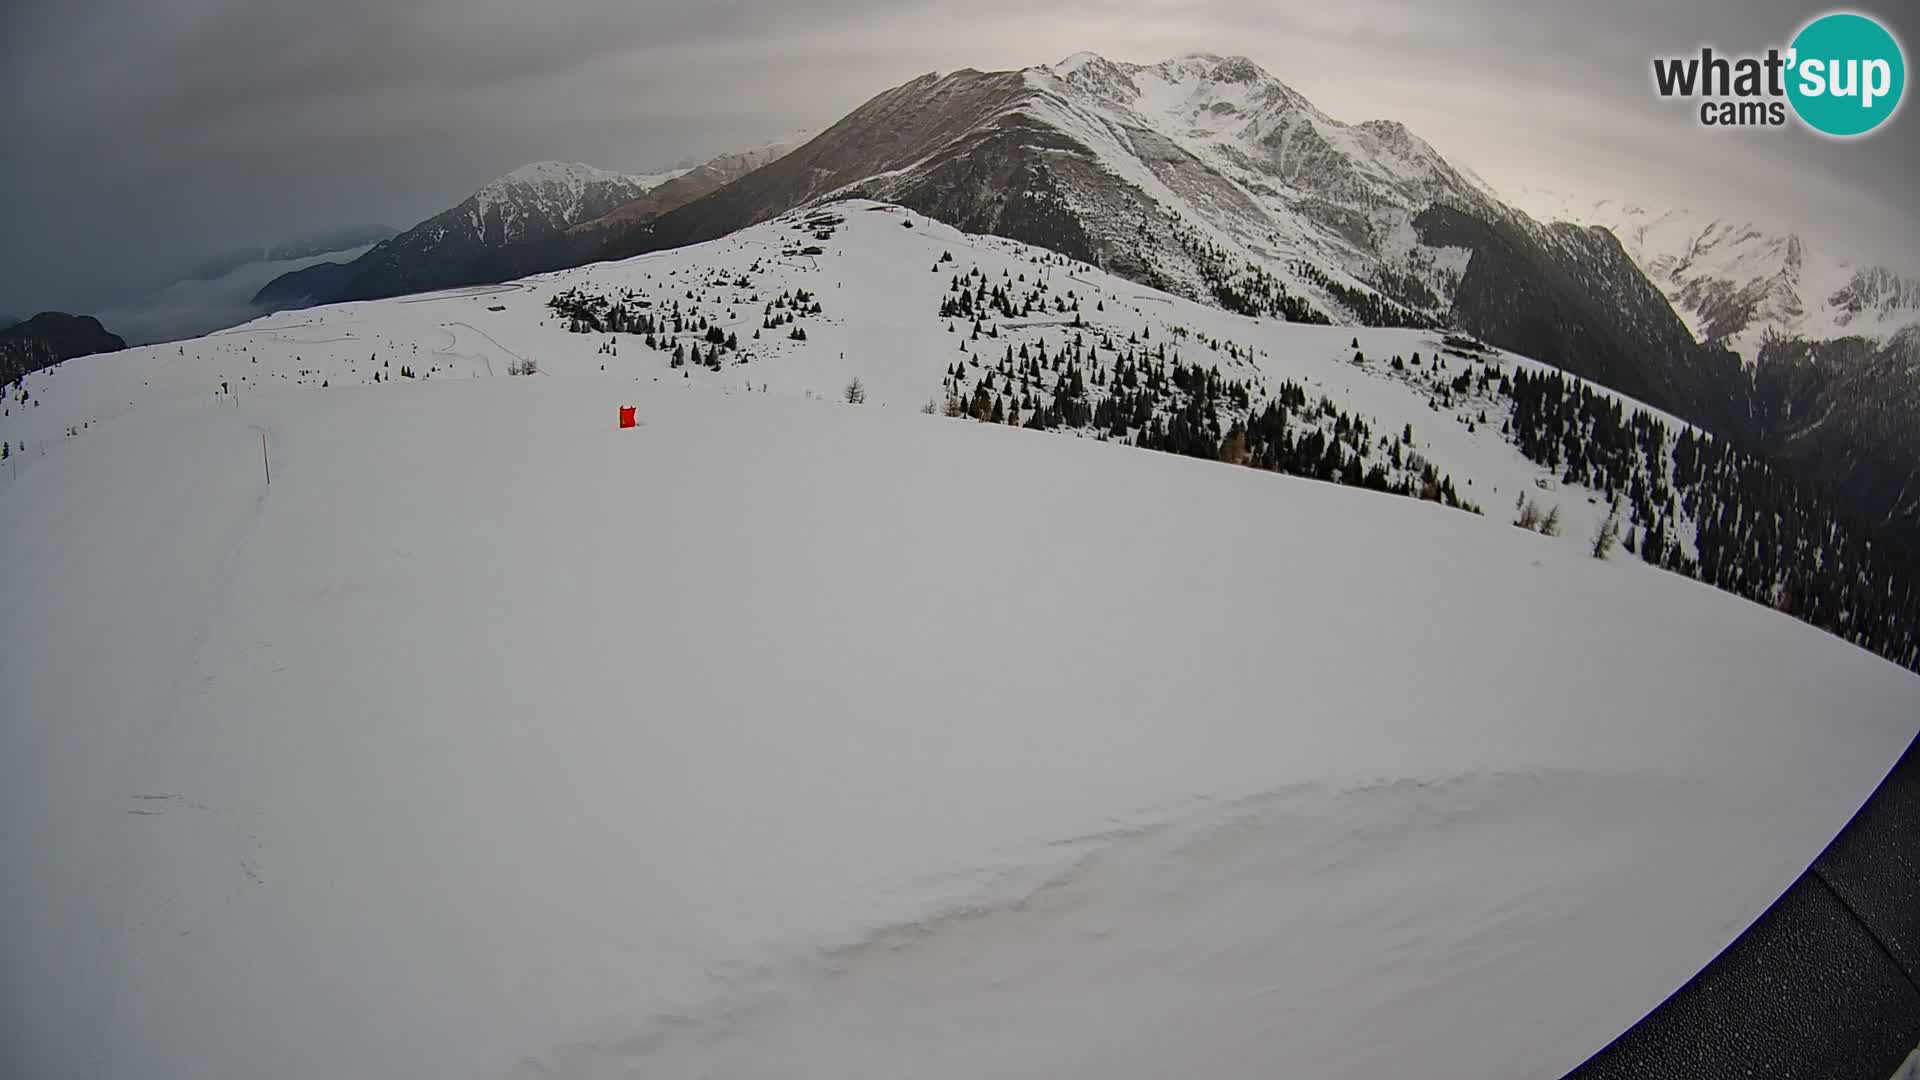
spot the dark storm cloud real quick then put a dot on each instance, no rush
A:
(153, 132)
(142, 133)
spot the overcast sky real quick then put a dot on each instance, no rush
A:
(141, 134)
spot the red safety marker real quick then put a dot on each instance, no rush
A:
(626, 416)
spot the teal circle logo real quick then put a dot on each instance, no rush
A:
(1846, 76)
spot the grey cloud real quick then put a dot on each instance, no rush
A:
(142, 133)
(190, 308)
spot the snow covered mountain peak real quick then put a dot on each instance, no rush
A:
(1200, 89)
(1245, 120)
(1214, 67)
(563, 192)
(1076, 62)
(1251, 164)
(1737, 281)
(551, 196)
(573, 173)
(1220, 70)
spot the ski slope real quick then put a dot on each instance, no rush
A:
(783, 737)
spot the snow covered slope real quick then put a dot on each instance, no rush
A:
(785, 737)
(929, 317)
(880, 286)
(1736, 282)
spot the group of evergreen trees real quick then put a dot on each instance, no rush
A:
(687, 335)
(1243, 287)
(1371, 308)
(1757, 531)
(1250, 289)
(1144, 394)
(1246, 289)
(1325, 442)
(1407, 288)
(1690, 503)
(590, 313)
(1256, 292)
(970, 296)
(782, 310)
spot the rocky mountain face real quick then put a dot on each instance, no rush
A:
(926, 126)
(540, 217)
(1210, 178)
(1571, 295)
(1192, 174)
(1844, 412)
(49, 338)
(701, 180)
(512, 227)
(1830, 379)
(1739, 283)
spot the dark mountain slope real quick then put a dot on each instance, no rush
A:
(49, 338)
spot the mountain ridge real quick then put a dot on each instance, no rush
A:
(505, 229)
(519, 223)
(1829, 347)
(50, 338)
(1739, 282)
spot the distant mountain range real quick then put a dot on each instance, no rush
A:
(1739, 283)
(694, 183)
(539, 217)
(49, 338)
(507, 229)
